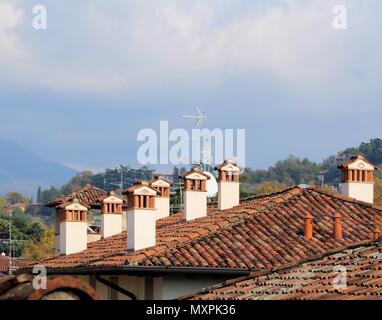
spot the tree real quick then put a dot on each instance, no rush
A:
(50, 194)
(14, 197)
(175, 175)
(39, 249)
(372, 150)
(3, 202)
(39, 195)
(378, 192)
(269, 187)
(290, 172)
(77, 182)
(23, 228)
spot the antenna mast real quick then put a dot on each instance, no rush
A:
(201, 122)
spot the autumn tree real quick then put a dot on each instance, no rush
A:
(15, 197)
(39, 249)
(269, 187)
(378, 192)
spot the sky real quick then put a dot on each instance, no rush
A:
(79, 91)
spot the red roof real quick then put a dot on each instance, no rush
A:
(259, 234)
(314, 280)
(4, 264)
(87, 196)
(353, 159)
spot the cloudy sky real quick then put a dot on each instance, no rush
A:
(80, 91)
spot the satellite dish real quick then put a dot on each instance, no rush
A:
(212, 185)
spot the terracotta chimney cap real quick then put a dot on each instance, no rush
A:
(308, 227)
(376, 233)
(337, 215)
(309, 216)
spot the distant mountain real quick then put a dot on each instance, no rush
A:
(23, 171)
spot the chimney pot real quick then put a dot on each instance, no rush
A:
(162, 204)
(228, 185)
(141, 217)
(337, 227)
(195, 194)
(308, 230)
(376, 233)
(358, 179)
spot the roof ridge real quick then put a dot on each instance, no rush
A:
(273, 194)
(343, 198)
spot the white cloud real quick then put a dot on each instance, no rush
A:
(10, 17)
(137, 44)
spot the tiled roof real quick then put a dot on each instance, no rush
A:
(320, 279)
(259, 234)
(353, 159)
(4, 264)
(87, 196)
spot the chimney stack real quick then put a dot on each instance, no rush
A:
(308, 230)
(73, 227)
(337, 226)
(141, 216)
(111, 215)
(228, 185)
(357, 179)
(162, 187)
(195, 194)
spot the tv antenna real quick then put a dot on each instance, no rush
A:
(201, 118)
(201, 122)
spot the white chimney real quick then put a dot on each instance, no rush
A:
(72, 220)
(141, 216)
(111, 215)
(162, 186)
(357, 179)
(195, 194)
(228, 185)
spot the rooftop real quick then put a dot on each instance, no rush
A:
(315, 280)
(4, 264)
(87, 196)
(260, 234)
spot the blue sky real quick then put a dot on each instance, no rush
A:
(79, 91)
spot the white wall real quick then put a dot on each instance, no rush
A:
(163, 207)
(175, 286)
(111, 224)
(141, 229)
(195, 205)
(359, 190)
(73, 237)
(124, 221)
(228, 195)
(136, 285)
(168, 287)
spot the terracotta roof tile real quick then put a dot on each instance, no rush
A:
(87, 196)
(4, 264)
(259, 234)
(310, 281)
